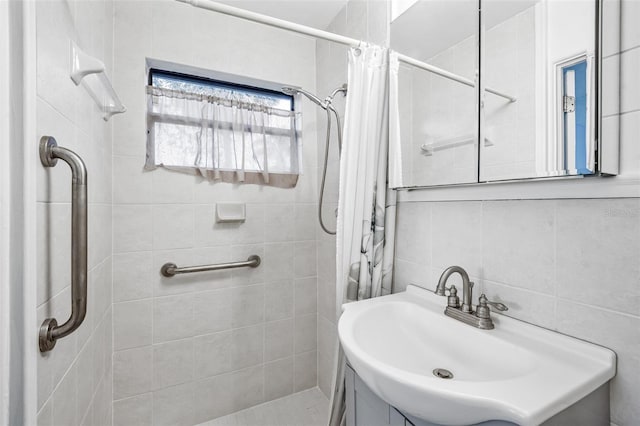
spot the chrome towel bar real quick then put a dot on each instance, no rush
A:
(170, 269)
(50, 331)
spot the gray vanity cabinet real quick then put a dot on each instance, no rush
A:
(365, 408)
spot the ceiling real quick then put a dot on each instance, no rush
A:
(313, 13)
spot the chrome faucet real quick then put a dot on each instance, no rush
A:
(481, 318)
(467, 286)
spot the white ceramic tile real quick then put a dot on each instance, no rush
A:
(305, 333)
(629, 86)
(226, 393)
(611, 81)
(132, 324)
(173, 226)
(307, 187)
(405, 273)
(172, 363)
(213, 397)
(244, 276)
(247, 304)
(132, 372)
(412, 231)
(52, 183)
(279, 222)
(305, 371)
(133, 411)
(45, 414)
(132, 228)
(325, 373)
(518, 244)
(172, 45)
(64, 400)
(629, 148)
(217, 347)
(52, 56)
(278, 261)
(306, 299)
(327, 303)
(305, 259)
(209, 233)
(306, 222)
(174, 405)
(85, 385)
(327, 260)
(536, 308)
(456, 240)
(630, 10)
(327, 337)
(172, 318)
(278, 378)
(132, 276)
(102, 408)
(278, 300)
(248, 387)
(100, 233)
(131, 183)
(598, 245)
(212, 311)
(247, 347)
(171, 187)
(278, 339)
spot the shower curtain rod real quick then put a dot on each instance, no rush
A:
(271, 21)
(325, 35)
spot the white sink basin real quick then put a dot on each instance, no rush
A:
(516, 372)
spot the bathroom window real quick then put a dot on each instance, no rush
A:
(222, 130)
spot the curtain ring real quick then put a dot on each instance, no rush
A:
(357, 50)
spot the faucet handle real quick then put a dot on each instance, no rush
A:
(453, 300)
(482, 310)
(497, 306)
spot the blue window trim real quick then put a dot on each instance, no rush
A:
(580, 73)
(220, 84)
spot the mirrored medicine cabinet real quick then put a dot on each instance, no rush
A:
(541, 100)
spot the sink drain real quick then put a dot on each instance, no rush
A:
(443, 373)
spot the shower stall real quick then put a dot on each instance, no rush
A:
(153, 348)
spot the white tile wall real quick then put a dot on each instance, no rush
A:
(568, 265)
(195, 347)
(75, 379)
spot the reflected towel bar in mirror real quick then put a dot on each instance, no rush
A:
(170, 269)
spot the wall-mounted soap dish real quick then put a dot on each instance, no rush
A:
(90, 72)
(230, 213)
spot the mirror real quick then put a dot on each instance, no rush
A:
(535, 110)
(542, 53)
(436, 116)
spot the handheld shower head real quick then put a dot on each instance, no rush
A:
(313, 98)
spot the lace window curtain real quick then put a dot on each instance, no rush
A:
(222, 138)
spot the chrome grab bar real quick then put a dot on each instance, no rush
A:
(50, 331)
(170, 269)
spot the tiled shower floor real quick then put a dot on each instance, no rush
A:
(306, 408)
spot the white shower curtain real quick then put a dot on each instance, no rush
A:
(364, 253)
